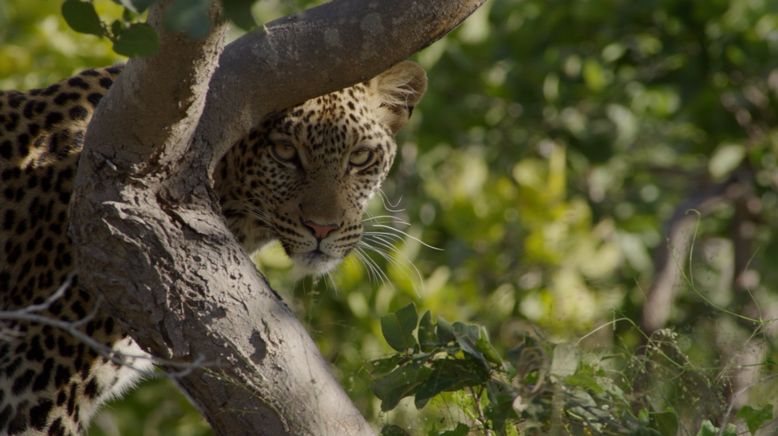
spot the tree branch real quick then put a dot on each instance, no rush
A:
(146, 225)
(331, 46)
(162, 97)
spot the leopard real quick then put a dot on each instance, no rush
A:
(302, 176)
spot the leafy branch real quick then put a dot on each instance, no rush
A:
(541, 388)
(131, 36)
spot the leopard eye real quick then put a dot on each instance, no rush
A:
(284, 152)
(361, 158)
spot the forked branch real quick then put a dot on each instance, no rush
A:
(146, 226)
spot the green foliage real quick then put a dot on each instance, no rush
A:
(132, 37)
(439, 358)
(137, 39)
(82, 17)
(567, 388)
(708, 429)
(555, 144)
(37, 47)
(129, 37)
(755, 418)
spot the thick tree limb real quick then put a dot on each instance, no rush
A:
(318, 51)
(147, 228)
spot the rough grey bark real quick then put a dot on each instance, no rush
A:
(146, 225)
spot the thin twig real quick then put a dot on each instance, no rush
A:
(31, 314)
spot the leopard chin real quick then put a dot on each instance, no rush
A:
(313, 263)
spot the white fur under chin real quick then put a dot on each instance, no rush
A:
(305, 267)
(128, 375)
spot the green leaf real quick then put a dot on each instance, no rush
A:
(450, 375)
(408, 318)
(467, 336)
(564, 361)
(190, 17)
(445, 331)
(399, 384)
(755, 418)
(82, 17)
(485, 346)
(708, 429)
(381, 366)
(460, 430)
(503, 405)
(427, 338)
(585, 378)
(139, 39)
(665, 422)
(117, 26)
(393, 430)
(397, 330)
(239, 12)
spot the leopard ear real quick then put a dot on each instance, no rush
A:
(398, 89)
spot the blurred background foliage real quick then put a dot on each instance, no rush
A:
(574, 163)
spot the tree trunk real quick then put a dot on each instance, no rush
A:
(146, 223)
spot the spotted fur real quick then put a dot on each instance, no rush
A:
(303, 177)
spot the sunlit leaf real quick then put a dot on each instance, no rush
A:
(708, 429)
(485, 346)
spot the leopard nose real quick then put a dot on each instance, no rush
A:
(320, 231)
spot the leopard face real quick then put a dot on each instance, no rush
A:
(304, 178)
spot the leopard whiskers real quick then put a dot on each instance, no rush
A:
(374, 272)
(380, 245)
(386, 219)
(407, 235)
(329, 282)
(380, 275)
(394, 208)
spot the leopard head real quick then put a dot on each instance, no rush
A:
(305, 176)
